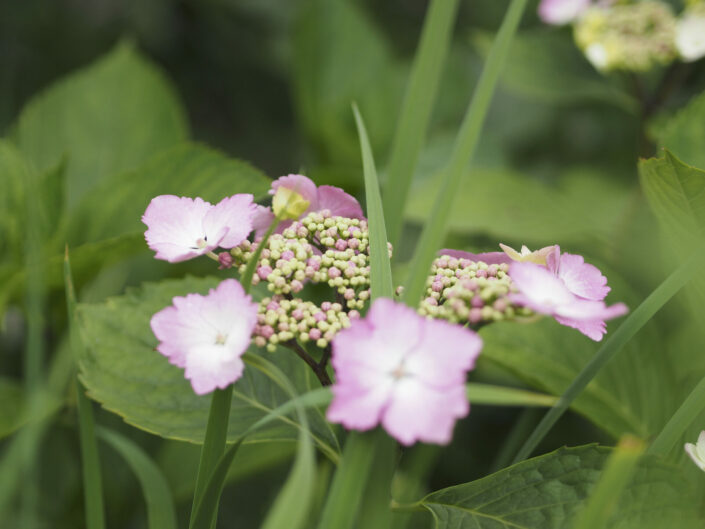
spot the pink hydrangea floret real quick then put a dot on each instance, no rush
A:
(331, 198)
(181, 228)
(560, 12)
(547, 292)
(207, 335)
(403, 371)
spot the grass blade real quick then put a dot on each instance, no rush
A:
(502, 396)
(380, 269)
(161, 513)
(634, 322)
(681, 420)
(435, 230)
(90, 458)
(416, 110)
(617, 474)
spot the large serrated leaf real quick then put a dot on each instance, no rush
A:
(115, 206)
(684, 133)
(621, 399)
(122, 371)
(106, 118)
(545, 493)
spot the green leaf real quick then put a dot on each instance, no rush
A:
(106, 118)
(544, 64)
(504, 204)
(545, 492)
(684, 134)
(14, 171)
(116, 205)
(123, 372)
(676, 194)
(488, 394)
(339, 56)
(380, 269)
(435, 229)
(161, 513)
(548, 356)
(617, 474)
(416, 109)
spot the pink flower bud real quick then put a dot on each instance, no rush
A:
(225, 260)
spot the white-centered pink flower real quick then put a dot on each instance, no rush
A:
(545, 292)
(207, 335)
(403, 371)
(181, 228)
(560, 12)
(320, 198)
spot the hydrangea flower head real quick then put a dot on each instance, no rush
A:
(544, 292)
(697, 451)
(207, 335)
(181, 228)
(526, 255)
(320, 198)
(560, 12)
(403, 371)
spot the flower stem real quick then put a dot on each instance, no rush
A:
(219, 414)
(318, 368)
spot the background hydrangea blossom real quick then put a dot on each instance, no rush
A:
(403, 371)
(181, 228)
(696, 452)
(560, 12)
(207, 335)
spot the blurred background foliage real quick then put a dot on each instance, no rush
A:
(104, 104)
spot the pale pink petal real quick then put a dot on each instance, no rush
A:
(581, 278)
(303, 185)
(261, 220)
(230, 220)
(359, 406)
(444, 354)
(175, 227)
(539, 289)
(338, 202)
(488, 257)
(590, 310)
(207, 335)
(561, 12)
(594, 329)
(419, 413)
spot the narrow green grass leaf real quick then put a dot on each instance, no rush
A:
(90, 458)
(435, 230)
(380, 269)
(416, 110)
(617, 474)
(161, 513)
(681, 420)
(634, 322)
(503, 396)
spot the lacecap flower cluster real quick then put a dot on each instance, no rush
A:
(398, 367)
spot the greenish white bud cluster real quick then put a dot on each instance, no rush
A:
(463, 291)
(633, 37)
(281, 320)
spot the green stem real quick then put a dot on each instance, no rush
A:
(681, 420)
(219, 414)
(416, 110)
(435, 230)
(90, 457)
(341, 509)
(636, 320)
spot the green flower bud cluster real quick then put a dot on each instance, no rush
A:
(633, 37)
(463, 291)
(280, 320)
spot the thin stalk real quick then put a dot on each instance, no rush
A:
(90, 457)
(435, 230)
(219, 413)
(681, 420)
(636, 320)
(416, 110)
